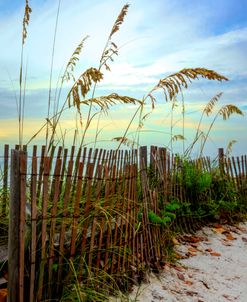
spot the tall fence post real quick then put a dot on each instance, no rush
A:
(5, 179)
(16, 226)
(143, 154)
(221, 159)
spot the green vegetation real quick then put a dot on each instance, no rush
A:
(210, 194)
(168, 214)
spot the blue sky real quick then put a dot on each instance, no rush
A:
(157, 38)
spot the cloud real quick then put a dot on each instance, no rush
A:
(153, 49)
(224, 53)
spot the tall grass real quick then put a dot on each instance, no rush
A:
(50, 80)
(21, 102)
(83, 90)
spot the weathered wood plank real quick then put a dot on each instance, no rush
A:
(16, 226)
(33, 195)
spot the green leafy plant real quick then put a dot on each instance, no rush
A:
(166, 216)
(195, 181)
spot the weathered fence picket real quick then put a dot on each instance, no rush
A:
(5, 180)
(33, 198)
(16, 226)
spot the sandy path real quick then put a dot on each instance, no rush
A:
(215, 269)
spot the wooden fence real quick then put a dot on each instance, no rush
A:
(87, 211)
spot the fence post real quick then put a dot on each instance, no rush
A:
(143, 153)
(221, 159)
(16, 226)
(5, 179)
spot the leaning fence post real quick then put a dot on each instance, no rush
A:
(16, 226)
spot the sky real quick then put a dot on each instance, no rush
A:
(157, 38)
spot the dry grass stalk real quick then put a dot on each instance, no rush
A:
(104, 102)
(229, 147)
(83, 85)
(211, 104)
(227, 110)
(26, 20)
(21, 102)
(125, 141)
(50, 81)
(69, 69)
(109, 51)
(174, 83)
(68, 74)
(178, 137)
(111, 48)
(208, 110)
(120, 19)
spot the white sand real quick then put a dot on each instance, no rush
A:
(216, 275)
